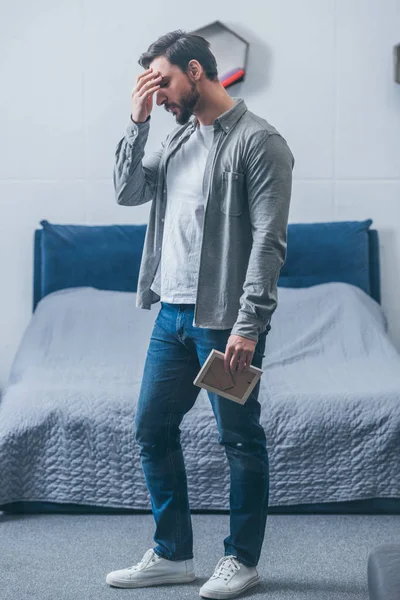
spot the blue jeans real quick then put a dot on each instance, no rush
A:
(176, 352)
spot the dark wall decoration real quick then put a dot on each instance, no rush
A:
(229, 49)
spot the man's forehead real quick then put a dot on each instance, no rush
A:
(164, 66)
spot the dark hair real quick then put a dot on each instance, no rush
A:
(179, 48)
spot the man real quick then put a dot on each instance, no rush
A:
(212, 255)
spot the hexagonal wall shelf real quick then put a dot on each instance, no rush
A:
(229, 49)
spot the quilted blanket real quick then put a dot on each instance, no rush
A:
(330, 396)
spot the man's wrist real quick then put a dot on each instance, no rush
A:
(139, 122)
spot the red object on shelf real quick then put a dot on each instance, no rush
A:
(232, 78)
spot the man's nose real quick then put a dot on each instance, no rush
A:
(160, 97)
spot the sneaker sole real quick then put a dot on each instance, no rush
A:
(223, 595)
(150, 582)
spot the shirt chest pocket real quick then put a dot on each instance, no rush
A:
(233, 193)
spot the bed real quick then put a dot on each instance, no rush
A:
(330, 391)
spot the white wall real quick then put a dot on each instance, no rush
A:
(321, 71)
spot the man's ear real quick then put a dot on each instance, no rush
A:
(195, 69)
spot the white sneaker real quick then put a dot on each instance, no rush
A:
(153, 570)
(230, 579)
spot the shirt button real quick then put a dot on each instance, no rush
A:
(165, 191)
(162, 220)
(226, 127)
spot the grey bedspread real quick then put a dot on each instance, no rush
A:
(330, 396)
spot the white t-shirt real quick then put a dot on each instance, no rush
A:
(176, 277)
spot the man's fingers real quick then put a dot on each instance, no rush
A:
(148, 77)
(243, 361)
(141, 78)
(235, 360)
(144, 74)
(227, 357)
(149, 87)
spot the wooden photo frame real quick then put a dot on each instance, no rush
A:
(237, 386)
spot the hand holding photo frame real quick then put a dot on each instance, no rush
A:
(235, 386)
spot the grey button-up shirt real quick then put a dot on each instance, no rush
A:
(247, 187)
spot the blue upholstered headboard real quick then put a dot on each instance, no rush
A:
(108, 256)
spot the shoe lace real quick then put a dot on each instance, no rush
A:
(226, 567)
(141, 562)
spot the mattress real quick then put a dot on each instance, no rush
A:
(330, 397)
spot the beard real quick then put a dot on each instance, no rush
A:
(187, 102)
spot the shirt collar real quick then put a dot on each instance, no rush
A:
(229, 118)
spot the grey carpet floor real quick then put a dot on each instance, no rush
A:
(304, 557)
